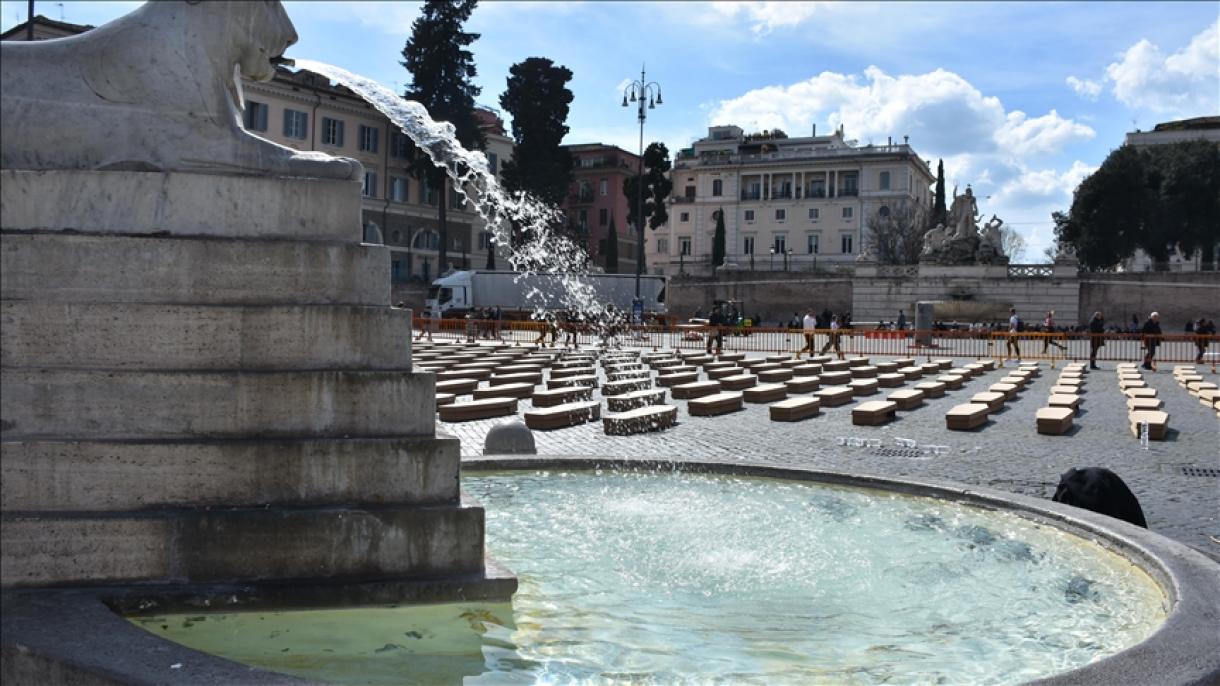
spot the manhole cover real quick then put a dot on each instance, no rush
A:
(1201, 471)
(898, 452)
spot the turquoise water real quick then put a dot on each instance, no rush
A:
(680, 578)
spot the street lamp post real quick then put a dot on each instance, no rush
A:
(772, 267)
(642, 90)
(787, 255)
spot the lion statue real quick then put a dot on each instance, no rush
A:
(155, 90)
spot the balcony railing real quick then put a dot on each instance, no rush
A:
(747, 195)
(1030, 271)
(782, 195)
(683, 199)
(848, 192)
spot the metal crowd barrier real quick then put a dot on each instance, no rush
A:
(1054, 347)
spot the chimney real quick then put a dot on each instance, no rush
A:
(906, 140)
(814, 132)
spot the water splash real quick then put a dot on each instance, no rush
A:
(542, 250)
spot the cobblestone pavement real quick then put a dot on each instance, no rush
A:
(1007, 454)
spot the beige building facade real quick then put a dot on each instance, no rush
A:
(789, 203)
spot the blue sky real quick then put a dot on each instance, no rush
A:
(1022, 100)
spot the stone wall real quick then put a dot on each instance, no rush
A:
(1177, 296)
(771, 296)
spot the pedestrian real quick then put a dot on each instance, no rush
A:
(1151, 331)
(902, 320)
(1014, 327)
(1203, 329)
(715, 332)
(1097, 338)
(1048, 327)
(836, 325)
(808, 326)
(569, 329)
(543, 325)
(795, 322)
(425, 325)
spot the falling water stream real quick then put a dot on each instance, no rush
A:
(542, 250)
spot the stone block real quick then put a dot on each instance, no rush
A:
(906, 399)
(563, 416)
(931, 389)
(531, 378)
(635, 399)
(765, 393)
(457, 386)
(794, 409)
(839, 378)
(477, 374)
(1140, 392)
(696, 389)
(731, 357)
(121, 405)
(886, 367)
(994, 400)
(863, 372)
(803, 384)
(621, 387)
(834, 396)
(1158, 423)
(508, 390)
(640, 420)
(569, 372)
(738, 382)
(836, 366)
(629, 375)
(1009, 390)
(1063, 400)
(951, 381)
(571, 381)
(510, 437)
(717, 404)
(966, 417)
(1017, 381)
(775, 375)
(807, 370)
(669, 380)
(477, 409)
(874, 413)
(559, 396)
(863, 386)
(912, 373)
(723, 372)
(1053, 420)
(191, 271)
(214, 337)
(1134, 404)
(857, 362)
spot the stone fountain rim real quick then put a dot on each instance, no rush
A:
(1184, 650)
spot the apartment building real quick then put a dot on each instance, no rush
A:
(788, 203)
(305, 111)
(596, 196)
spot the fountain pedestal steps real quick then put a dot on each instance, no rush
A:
(202, 383)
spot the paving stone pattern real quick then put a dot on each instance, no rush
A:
(1007, 453)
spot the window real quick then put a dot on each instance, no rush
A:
(816, 187)
(749, 215)
(332, 132)
(885, 181)
(426, 239)
(684, 217)
(296, 124)
(398, 271)
(493, 163)
(603, 217)
(848, 212)
(717, 187)
(590, 161)
(849, 183)
(747, 247)
(684, 246)
(811, 244)
(884, 211)
(603, 187)
(845, 244)
(427, 196)
(368, 138)
(256, 116)
(752, 191)
(582, 219)
(663, 245)
(689, 192)
(781, 215)
(400, 145)
(370, 185)
(398, 189)
(781, 244)
(585, 191)
(814, 214)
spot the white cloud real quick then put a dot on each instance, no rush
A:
(1085, 88)
(1185, 83)
(1048, 133)
(765, 17)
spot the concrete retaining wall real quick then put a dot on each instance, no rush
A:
(1177, 296)
(773, 297)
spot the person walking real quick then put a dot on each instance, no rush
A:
(1014, 327)
(902, 320)
(1097, 330)
(1048, 327)
(1151, 331)
(808, 327)
(715, 330)
(1203, 329)
(832, 341)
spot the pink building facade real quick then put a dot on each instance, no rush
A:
(596, 196)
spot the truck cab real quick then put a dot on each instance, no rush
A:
(449, 296)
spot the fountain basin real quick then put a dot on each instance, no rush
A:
(1182, 649)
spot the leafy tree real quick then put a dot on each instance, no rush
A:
(1159, 199)
(940, 213)
(718, 240)
(612, 248)
(538, 99)
(442, 80)
(898, 237)
(657, 187)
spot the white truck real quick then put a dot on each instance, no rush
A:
(519, 295)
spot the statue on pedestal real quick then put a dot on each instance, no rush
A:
(991, 243)
(963, 214)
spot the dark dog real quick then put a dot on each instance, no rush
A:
(1100, 490)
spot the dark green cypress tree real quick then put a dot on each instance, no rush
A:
(718, 240)
(940, 213)
(612, 248)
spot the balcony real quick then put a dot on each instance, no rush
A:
(683, 199)
(751, 195)
(782, 194)
(580, 198)
(848, 192)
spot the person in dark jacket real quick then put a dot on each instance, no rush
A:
(1203, 329)
(1151, 331)
(1097, 330)
(716, 330)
